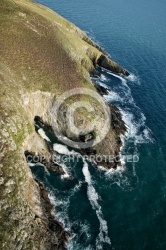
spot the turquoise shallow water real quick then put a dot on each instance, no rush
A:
(130, 211)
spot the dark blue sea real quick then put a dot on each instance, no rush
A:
(123, 209)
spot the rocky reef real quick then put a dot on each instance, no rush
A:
(42, 55)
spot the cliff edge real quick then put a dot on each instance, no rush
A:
(42, 55)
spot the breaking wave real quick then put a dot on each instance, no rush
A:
(136, 128)
(93, 198)
(43, 134)
(61, 149)
(121, 95)
(133, 78)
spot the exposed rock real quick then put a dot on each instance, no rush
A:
(102, 90)
(34, 143)
(39, 120)
(104, 62)
(87, 137)
(1, 180)
(40, 159)
(57, 236)
(42, 55)
(106, 153)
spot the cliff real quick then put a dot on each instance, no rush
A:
(42, 55)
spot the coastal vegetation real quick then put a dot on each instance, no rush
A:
(42, 55)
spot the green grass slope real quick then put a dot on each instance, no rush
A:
(41, 56)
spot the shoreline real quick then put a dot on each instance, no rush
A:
(38, 72)
(53, 225)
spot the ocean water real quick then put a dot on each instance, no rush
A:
(123, 209)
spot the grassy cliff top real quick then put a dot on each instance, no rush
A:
(41, 56)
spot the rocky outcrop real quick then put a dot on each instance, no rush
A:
(107, 152)
(111, 153)
(56, 236)
(39, 152)
(102, 90)
(104, 62)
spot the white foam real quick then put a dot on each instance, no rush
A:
(102, 168)
(61, 149)
(103, 85)
(86, 173)
(133, 78)
(61, 215)
(125, 97)
(124, 81)
(146, 133)
(72, 243)
(36, 125)
(133, 128)
(112, 96)
(52, 198)
(66, 174)
(31, 164)
(45, 168)
(43, 134)
(93, 198)
(103, 78)
(76, 188)
(114, 171)
(39, 164)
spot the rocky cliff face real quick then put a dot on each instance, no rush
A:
(42, 55)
